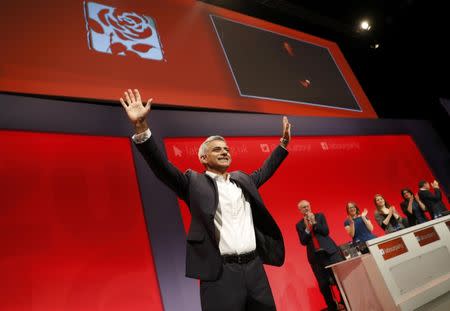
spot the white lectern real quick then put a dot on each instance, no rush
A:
(405, 270)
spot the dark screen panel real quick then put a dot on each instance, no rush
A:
(269, 65)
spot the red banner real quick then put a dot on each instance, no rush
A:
(73, 53)
(426, 236)
(392, 248)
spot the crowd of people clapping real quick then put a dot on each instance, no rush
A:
(416, 208)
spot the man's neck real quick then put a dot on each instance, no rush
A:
(224, 174)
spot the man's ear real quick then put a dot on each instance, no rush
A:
(203, 159)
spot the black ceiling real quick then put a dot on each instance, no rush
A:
(406, 75)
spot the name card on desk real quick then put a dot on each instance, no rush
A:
(392, 248)
(426, 236)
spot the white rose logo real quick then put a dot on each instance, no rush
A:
(118, 32)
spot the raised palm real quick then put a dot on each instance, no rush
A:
(286, 129)
(136, 111)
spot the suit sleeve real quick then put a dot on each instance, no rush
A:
(304, 237)
(163, 169)
(260, 176)
(321, 225)
(429, 196)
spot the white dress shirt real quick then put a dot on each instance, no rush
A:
(233, 219)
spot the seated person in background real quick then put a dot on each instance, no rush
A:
(413, 207)
(433, 201)
(358, 225)
(386, 215)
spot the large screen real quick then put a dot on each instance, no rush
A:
(328, 171)
(180, 52)
(72, 226)
(269, 65)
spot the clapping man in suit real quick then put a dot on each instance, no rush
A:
(321, 249)
(232, 234)
(432, 200)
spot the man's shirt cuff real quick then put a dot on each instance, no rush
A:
(142, 137)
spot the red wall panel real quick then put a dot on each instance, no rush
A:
(328, 172)
(72, 228)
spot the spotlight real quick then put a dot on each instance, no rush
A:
(365, 25)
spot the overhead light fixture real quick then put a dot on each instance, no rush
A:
(375, 45)
(365, 25)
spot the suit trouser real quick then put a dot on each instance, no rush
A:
(241, 287)
(325, 277)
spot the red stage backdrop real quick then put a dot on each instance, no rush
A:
(328, 172)
(180, 52)
(72, 229)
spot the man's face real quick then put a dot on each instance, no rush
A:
(217, 157)
(304, 207)
(427, 186)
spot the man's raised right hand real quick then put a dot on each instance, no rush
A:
(136, 111)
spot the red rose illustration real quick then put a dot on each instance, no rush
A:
(123, 26)
(126, 25)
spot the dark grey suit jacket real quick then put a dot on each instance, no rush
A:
(433, 202)
(199, 191)
(321, 232)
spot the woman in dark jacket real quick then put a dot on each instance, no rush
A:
(413, 208)
(387, 216)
